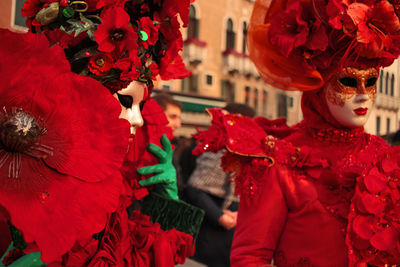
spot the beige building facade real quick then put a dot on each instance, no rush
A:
(385, 117)
(215, 52)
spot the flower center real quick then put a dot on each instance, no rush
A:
(117, 35)
(19, 131)
(100, 62)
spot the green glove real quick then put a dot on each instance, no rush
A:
(165, 173)
(28, 260)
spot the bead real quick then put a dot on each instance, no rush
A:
(68, 12)
(143, 36)
(43, 196)
(87, 54)
(232, 141)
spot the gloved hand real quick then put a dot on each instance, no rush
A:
(165, 173)
(28, 260)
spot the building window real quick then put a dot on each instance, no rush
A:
(291, 102)
(193, 27)
(190, 84)
(230, 35)
(244, 43)
(209, 79)
(18, 19)
(387, 83)
(228, 91)
(264, 102)
(381, 81)
(166, 87)
(392, 85)
(378, 125)
(247, 95)
(282, 105)
(255, 100)
(387, 125)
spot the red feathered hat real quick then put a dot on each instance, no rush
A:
(298, 44)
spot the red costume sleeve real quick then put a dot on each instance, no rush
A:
(261, 219)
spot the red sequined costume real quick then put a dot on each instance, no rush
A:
(318, 194)
(296, 192)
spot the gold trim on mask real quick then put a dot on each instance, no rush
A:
(350, 81)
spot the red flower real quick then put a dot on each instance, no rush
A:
(171, 8)
(100, 64)
(110, 3)
(335, 10)
(374, 27)
(151, 32)
(288, 29)
(115, 33)
(130, 67)
(62, 148)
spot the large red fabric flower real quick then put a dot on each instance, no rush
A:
(61, 146)
(373, 26)
(115, 33)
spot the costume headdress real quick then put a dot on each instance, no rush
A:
(115, 41)
(298, 44)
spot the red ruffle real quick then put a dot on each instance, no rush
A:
(374, 229)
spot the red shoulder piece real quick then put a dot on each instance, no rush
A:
(238, 134)
(277, 128)
(374, 227)
(250, 151)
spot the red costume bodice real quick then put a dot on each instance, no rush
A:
(298, 212)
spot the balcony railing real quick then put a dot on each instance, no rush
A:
(232, 61)
(247, 67)
(387, 102)
(194, 51)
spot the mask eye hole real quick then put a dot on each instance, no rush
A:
(348, 81)
(125, 100)
(371, 82)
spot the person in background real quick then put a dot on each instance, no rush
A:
(210, 189)
(172, 109)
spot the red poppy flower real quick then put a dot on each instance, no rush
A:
(61, 149)
(114, 33)
(100, 64)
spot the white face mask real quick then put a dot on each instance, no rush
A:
(350, 95)
(130, 99)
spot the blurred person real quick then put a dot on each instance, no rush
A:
(209, 188)
(172, 109)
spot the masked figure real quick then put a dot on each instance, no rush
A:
(120, 46)
(322, 193)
